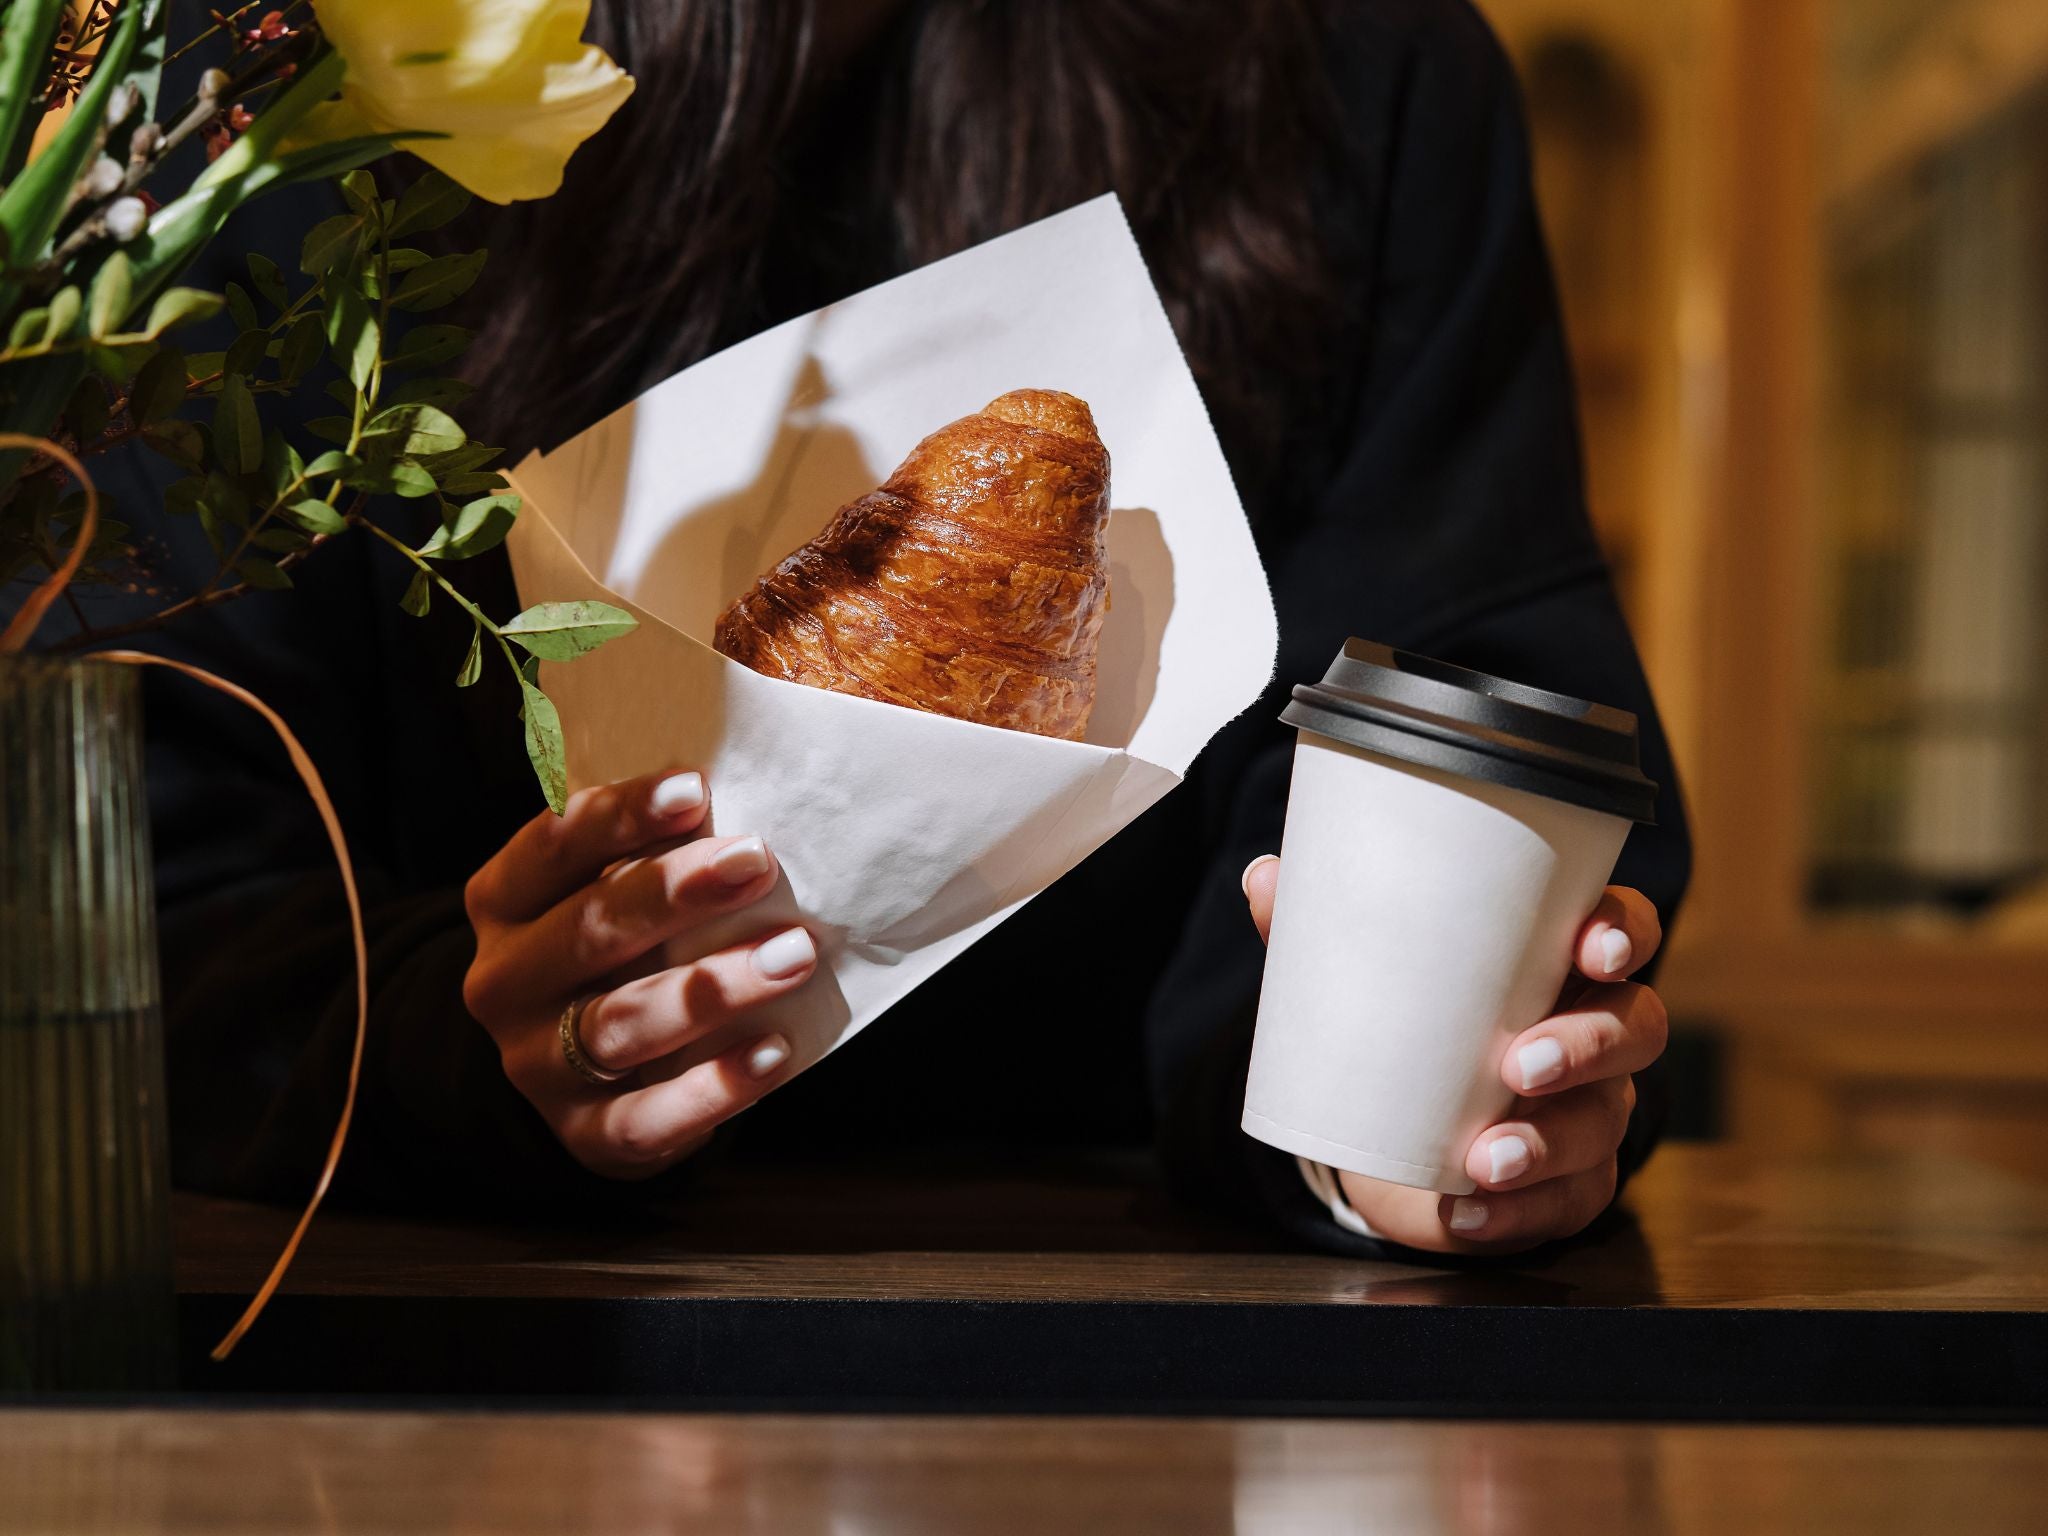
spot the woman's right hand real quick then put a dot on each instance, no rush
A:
(571, 902)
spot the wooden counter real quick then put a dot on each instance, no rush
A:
(1902, 1288)
(161, 1473)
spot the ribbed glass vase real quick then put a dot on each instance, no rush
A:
(85, 1279)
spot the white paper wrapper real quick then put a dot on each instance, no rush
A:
(903, 836)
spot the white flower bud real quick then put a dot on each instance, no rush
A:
(122, 104)
(104, 179)
(126, 218)
(213, 82)
(145, 141)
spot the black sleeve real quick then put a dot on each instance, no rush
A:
(1453, 524)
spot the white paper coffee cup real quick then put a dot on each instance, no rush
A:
(1447, 834)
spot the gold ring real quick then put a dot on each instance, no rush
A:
(573, 1052)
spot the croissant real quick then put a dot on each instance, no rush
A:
(971, 584)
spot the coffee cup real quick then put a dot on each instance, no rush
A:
(1447, 835)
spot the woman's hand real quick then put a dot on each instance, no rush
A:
(1548, 1169)
(566, 908)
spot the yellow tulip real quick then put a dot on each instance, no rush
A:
(511, 84)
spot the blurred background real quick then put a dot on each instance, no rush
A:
(1803, 246)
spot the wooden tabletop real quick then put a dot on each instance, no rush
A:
(163, 1473)
(1911, 1287)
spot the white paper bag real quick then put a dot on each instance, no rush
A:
(903, 836)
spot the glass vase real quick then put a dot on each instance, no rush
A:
(85, 1272)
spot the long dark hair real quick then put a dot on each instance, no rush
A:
(965, 119)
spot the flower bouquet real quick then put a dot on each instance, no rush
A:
(112, 182)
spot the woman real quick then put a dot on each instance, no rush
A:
(1334, 198)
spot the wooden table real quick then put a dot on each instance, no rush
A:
(275, 1473)
(1873, 1289)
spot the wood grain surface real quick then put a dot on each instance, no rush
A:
(151, 1473)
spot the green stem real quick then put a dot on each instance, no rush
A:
(482, 620)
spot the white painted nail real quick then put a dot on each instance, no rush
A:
(739, 862)
(768, 1053)
(1244, 881)
(1615, 950)
(1540, 1062)
(1507, 1158)
(677, 793)
(1467, 1215)
(786, 954)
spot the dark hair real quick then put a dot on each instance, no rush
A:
(965, 119)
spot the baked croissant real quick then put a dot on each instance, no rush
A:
(972, 584)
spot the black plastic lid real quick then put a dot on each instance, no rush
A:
(1458, 721)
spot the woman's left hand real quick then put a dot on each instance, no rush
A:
(1548, 1168)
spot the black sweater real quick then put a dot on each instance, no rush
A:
(1437, 505)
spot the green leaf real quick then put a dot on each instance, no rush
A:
(117, 365)
(417, 595)
(269, 279)
(439, 282)
(313, 515)
(429, 346)
(282, 466)
(360, 188)
(408, 480)
(333, 429)
(204, 365)
(237, 430)
(473, 663)
(159, 387)
(544, 748)
(332, 462)
(242, 308)
(28, 328)
(258, 572)
(280, 541)
(341, 392)
(459, 460)
(180, 306)
(428, 203)
(559, 631)
(414, 429)
(330, 243)
(225, 499)
(246, 355)
(179, 441)
(471, 482)
(29, 31)
(441, 392)
(64, 311)
(111, 295)
(479, 526)
(301, 348)
(86, 414)
(352, 334)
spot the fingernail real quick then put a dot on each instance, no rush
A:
(1467, 1215)
(739, 862)
(1615, 950)
(785, 954)
(677, 793)
(1540, 1062)
(768, 1053)
(1244, 881)
(1507, 1158)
